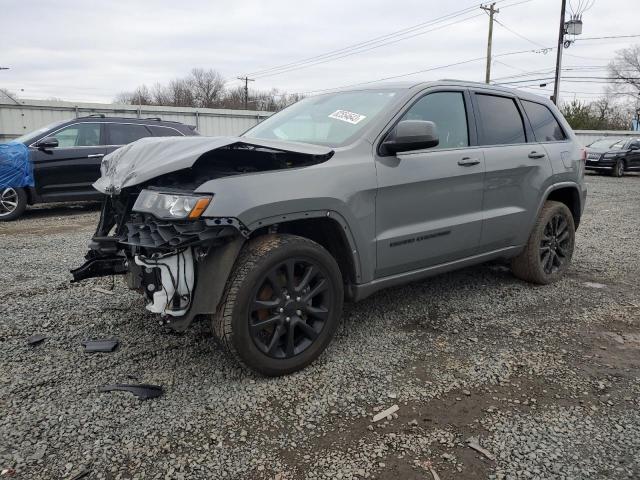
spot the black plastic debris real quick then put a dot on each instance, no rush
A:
(100, 345)
(142, 391)
(35, 339)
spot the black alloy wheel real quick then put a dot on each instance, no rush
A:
(290, 308)
(555, 244)
(282, 304)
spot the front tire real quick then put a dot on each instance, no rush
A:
(13, 203)
(549, 250)
(618, 169)
(281, 306)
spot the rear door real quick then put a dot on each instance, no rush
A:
(429, 202)
(517, 168)
(67, 171)
(119, 134)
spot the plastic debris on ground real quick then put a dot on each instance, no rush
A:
(389, 411)
(100, 345)
(16, 169)
(142, 391)
(35, 339)
(474, 443)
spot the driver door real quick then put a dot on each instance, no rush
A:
(633, 157)
(429, 202)
(67, 171)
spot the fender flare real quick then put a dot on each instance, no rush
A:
(558, 186)
(305, 215)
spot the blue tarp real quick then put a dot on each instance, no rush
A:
(16, 169)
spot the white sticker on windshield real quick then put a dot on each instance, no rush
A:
(347, 116)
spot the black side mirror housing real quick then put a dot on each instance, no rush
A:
(411, 135)
(634, 146)
(47, 142)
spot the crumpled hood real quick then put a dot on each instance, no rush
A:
(151, 157)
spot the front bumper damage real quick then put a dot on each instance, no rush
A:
(180, 267)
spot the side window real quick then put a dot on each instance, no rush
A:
(123, 133)
(79, 135)
(545, 126)
(500, 120)
(447, 111)
(163, 131)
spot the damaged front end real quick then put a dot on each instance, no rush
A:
(152, 228)
(167, 260)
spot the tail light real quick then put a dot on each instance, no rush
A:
(583, 161)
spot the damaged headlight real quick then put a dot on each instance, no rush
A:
(171, 206)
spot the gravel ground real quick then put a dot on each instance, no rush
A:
(548, 378)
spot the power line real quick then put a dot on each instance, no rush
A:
(374, 43)
(603, 38)
(370, 41)
(430, 69)
(362, 50)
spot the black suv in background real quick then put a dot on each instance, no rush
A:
(66, 157)
(614, 155)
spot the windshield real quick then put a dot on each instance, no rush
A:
(607, 143)
(27, 138)
(333, 119)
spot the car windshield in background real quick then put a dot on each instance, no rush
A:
(607, 143)
(29, 137)
(333, 119)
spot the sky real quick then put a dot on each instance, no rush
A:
(91, 51)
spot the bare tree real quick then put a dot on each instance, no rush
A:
(140, 96)
(625, 69)
(207, 87)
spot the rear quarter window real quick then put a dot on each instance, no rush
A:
(159, 131)
(545, 126)
(500, 120)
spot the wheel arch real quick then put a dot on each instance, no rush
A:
(567, 193)
(327, 228)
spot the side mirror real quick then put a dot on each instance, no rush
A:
(411, 135)
(634, 146)
(47, 142)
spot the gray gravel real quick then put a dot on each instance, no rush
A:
(547, 377)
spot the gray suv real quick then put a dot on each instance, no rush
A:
(334, 198)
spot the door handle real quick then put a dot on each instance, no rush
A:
(96, 155)
(468, 161)
(535, 154)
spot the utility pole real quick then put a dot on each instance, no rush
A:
(556, 85)
(246, 81)
(492, 10)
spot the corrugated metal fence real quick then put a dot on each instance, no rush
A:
(28, 115)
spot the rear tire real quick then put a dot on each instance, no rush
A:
(13, 203)
(618, 169)
(281, 306)
(549, 250)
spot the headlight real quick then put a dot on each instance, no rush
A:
(171, 206)
(610, 155)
